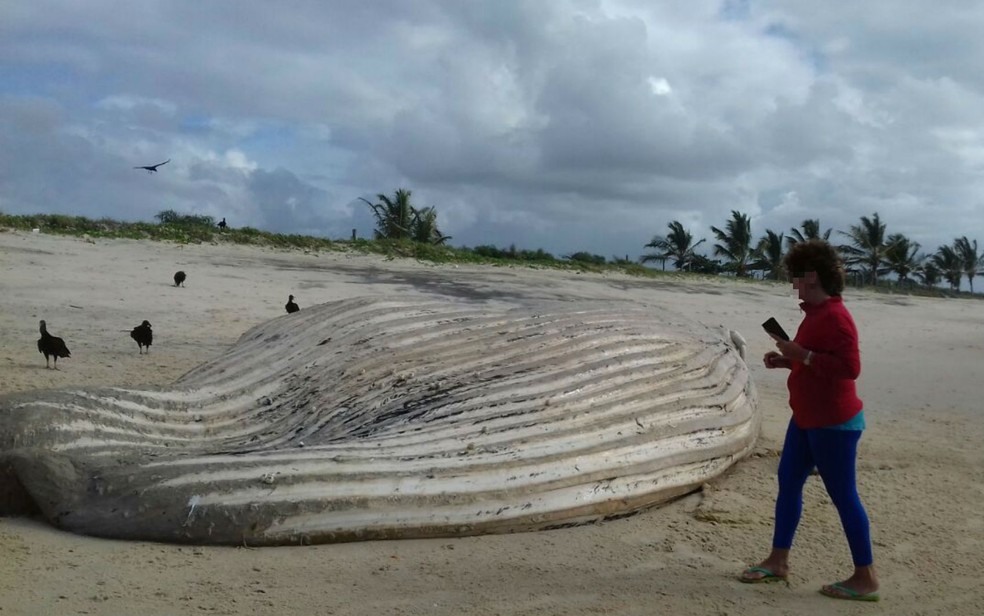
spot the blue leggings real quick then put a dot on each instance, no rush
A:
(833, 452)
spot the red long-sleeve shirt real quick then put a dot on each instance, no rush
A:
(823, 394)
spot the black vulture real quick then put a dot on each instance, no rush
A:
(51, 346)
(179, 278)
(143, 335)
(153, 168)
(291, 306)
(222, 223)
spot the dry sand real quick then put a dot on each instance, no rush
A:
(921, 467)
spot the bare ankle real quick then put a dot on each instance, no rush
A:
(779, 559)
(865, 575)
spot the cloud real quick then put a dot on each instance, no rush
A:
(569, 125)
(286, 204)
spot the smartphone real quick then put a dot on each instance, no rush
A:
(772, 326)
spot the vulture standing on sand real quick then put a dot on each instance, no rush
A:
(291, 306)
(143, 335)
(51, 346)
(179, 279)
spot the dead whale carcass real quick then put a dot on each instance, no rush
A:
(381, 418)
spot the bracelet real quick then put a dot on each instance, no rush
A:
(809, 357)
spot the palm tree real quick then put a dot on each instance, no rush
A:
(811, 231)
(394, 217)
(398, 219)
(949, 264)
(901, 256)
(425, 227)
(735, 242)
(769, 255)
(703, 265)
(928, 273)
(867, 247)
(971, 261)
(679, 245)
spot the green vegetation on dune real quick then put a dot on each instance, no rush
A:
(195, 229)
(190, 229)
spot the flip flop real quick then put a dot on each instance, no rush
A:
(767, 576)
(839, 591)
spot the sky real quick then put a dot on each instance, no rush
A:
(568, 125)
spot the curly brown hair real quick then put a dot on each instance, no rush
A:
(818, 256)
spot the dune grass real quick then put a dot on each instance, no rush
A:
(202, 229)
(191, 229)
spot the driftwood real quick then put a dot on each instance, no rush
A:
(380, 418)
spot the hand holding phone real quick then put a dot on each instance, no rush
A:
(772, 326)
(773, 359)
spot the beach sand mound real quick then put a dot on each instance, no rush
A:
(393, 418)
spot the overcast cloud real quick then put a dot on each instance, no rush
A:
(565, 125)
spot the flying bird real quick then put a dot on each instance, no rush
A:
(179, 278)
(222, 223)
(51, 346)
(291, 306)
(143, 335)
(153, 168)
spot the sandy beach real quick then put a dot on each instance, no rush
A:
(921, 465)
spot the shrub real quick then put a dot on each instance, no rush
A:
(585, 257)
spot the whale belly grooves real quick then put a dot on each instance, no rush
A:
(373, 418)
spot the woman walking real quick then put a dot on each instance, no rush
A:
(827, 420)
